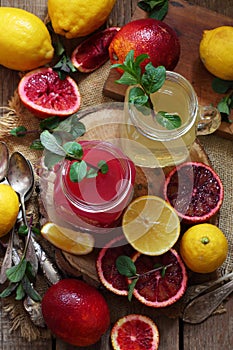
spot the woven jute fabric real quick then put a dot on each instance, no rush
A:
(219, 151)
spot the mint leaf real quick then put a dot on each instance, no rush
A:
(51, 144)
(30, 291)
(20, 131)
(153, 78)
(73, 149)
(137, 96)
(37, 145)
(73, 126)
(7, 291)
(51, 159)
(127, 79)
(20, 293)
(131, 288)
(168, 121)
(78, 171)
(221, 86)
(223, 106)
(50, 123)
(103, 166)
(16, 273)
(125, 266)
(155, 8)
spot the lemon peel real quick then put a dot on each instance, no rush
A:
(203, 248)
(215, 49)
(9, 208)
(76, 18)
(25, 42)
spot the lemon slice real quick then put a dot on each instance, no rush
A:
(151, 225)
(74, 242)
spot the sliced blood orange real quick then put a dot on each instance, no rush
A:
(195, 191)
(133, 332)
(162, 287)
(46, 95)
(106, 265)
(93, 52)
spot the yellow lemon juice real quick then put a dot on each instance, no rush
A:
(148, 143)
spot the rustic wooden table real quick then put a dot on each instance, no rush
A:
(213, 334)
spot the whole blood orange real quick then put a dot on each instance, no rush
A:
(75, 312)
(146, 36)
(46, 95)
(195, 191)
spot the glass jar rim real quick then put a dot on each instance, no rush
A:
(160, 134)
(122, 191)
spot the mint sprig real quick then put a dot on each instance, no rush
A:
(225, 105)
(126, 267)
(146, 83)
(71, 125)
(71, 150)
(155, 8)
(20, 276)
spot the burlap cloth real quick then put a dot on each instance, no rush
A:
(219, 150)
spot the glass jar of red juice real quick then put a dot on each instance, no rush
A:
(98, 201)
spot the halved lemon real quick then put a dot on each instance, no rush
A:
(74, 242)
(151, 225)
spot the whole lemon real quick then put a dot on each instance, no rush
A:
(216, 51)
(9, 208)
(77, 18)
(25, 42)
(203, 248)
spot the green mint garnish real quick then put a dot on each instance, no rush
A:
(126, 267)
(21, 275)
(70, 150)
(148, 83)
(155, 8)
(225, 105)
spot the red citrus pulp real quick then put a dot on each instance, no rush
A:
(93, 52)
(75, 312)
(195, 191)
(146, 36)
(135, 332)
(163, 287)
(106, 265)
(45, 94)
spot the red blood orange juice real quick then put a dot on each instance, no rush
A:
(97, 201)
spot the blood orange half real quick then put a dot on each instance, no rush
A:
(162, 287)
(46, 95)
(93, 52)
(195, 191)
(106, 265)
(133, 332)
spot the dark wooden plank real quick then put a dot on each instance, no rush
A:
(188, 21)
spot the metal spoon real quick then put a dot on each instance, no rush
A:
(4, 160)
(21, 179)
(203, 306)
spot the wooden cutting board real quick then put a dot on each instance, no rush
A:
(188, 21)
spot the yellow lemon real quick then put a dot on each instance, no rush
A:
(151, 225)
(77, 18)
(203, 248)
(25, 42)
(77, 243)
(9, 208)
(216, 51)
